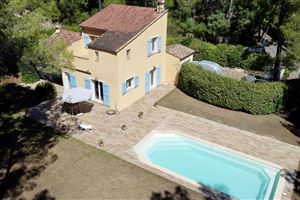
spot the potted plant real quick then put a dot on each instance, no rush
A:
(101, 143)
(124, 127)
(140, 114)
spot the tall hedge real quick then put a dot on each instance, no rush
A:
(254, 98)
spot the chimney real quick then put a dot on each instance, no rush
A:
(160, 5)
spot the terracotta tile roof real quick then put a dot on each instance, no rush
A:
(122, 18)
(180, 51)
(110, 41)
(121, 23)
(67, 36)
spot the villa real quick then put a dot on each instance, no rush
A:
(121, 55)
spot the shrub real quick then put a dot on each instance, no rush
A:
(45, 91)
(254, 98)
(29, 74)
(223, 54)
(232, 56)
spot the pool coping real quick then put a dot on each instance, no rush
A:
(280, 185)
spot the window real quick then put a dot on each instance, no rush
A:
(154, 44)
(129, 84)
(97, 56)
(152, 71)
(128, 54)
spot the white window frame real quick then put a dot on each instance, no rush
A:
(131, 82)
(153, 78)
(154, 44)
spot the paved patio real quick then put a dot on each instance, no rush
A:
(121, 142)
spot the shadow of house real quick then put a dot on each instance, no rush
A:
(24, 143)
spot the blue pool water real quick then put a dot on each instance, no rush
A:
(224, 171)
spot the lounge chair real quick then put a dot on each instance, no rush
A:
(83, 126)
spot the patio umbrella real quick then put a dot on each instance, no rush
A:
(76, 95)
(72, 99)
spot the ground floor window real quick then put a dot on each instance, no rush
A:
(152, 74)
(129, 84)
(98, 88)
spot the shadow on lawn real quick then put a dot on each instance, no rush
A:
(43, 195)
(182, 194)
(178, 194)
(24, 143)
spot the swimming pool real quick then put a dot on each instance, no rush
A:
(201, 162)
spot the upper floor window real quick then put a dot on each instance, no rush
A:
(128, 54)
(129, 84)
(97, 56)
(154, 45)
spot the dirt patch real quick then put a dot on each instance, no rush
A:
(273, 126)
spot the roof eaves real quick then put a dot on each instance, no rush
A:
(141, 31)
(102, 49)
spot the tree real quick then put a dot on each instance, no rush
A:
(291, 29)
(217, 27)
(23, 39)
(185, 9)
(288, 31)
(73, 11)
(42, 62)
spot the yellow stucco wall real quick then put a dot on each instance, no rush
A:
(173, 65)
(139, 63)
(104, 70)
(114, 69)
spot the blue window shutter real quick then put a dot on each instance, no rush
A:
(148, 82)
(87, 83)
(85, 40)
(158, 76)
(72, 80)
(105, 94)
(149, 49)
(159, 43)
(124, 87)
(136, 81)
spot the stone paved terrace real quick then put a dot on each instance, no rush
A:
(121, 142)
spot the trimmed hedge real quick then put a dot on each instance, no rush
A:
(254, 98)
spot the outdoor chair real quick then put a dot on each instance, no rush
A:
(84, 126)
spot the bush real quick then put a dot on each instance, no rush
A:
(45, 91)
(232, 56)
(254, 98)
(223, 54)
(29, 74)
